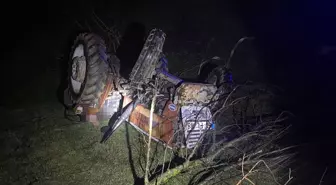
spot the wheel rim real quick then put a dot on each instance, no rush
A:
(78, 69)
(212, 79)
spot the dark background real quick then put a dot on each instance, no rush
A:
(291, 41)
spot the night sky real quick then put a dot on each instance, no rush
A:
(292, 41)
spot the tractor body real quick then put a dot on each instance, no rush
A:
(182, 111)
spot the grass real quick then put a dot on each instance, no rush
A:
(42, 147)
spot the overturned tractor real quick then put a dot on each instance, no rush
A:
(182, 110)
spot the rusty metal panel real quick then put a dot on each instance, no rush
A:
(162, 129)
(170, 117)
(140, 118)
(195, 94)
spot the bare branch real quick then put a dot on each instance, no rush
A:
(325, 171)
(234, 49)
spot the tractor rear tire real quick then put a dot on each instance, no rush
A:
(88, 70)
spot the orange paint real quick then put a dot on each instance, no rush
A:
(170, 116)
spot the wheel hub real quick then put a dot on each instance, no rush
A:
(78, 69)
(212, 79)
